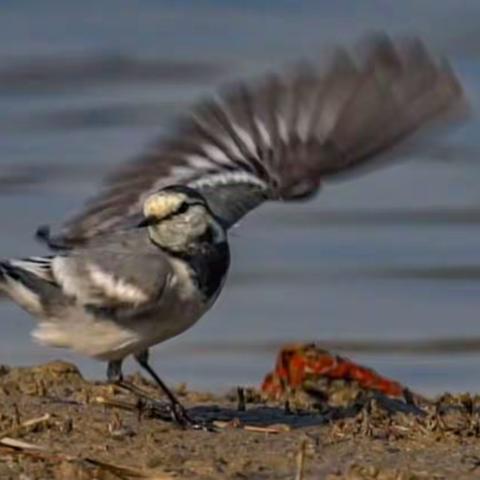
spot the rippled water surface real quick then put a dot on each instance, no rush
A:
(384, 267)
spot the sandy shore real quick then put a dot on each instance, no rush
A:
(55, 424)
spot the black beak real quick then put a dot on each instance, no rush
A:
(147, 222)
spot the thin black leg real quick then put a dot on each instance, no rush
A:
(114, 371)
(179, 412)
(142, 359)
(115, 376)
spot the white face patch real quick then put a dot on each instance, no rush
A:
(159, 205)
(115, 288)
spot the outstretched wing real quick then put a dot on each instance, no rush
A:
(280, 137)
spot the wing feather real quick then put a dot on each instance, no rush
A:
(280, 137)
(110, 273)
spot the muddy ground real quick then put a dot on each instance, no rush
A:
(56, 425)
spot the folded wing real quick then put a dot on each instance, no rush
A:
(111, 280)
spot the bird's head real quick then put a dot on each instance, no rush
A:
(179, 219)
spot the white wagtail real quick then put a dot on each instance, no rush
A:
(149, 255)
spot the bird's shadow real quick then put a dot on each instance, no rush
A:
(269, 416)
(258, 416)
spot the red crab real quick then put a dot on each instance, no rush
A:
(300, 362)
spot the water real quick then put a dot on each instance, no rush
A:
(384, 267)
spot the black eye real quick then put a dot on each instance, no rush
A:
(183, 208)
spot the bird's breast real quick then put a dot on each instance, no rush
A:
(209, 268)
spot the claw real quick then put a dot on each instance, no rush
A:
(181, 417)
(298, 363)
(166, 411)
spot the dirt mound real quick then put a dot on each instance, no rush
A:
(54, 424)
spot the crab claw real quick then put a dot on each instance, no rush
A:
(298, 363)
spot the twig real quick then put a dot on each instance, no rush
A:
(16, 414)
(251, 428)
(20, 444)
(241, 406)
(26, 424)
(108, 402)
(41, 452)
(124, 470)
(277, 429)
(301, 461)
(143, 404)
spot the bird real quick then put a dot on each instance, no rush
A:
(130, 289)
(149, 255)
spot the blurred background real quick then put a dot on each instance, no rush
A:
(384, 268)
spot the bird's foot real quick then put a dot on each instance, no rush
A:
(167, 411)
(183, 419)
(176, 413)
